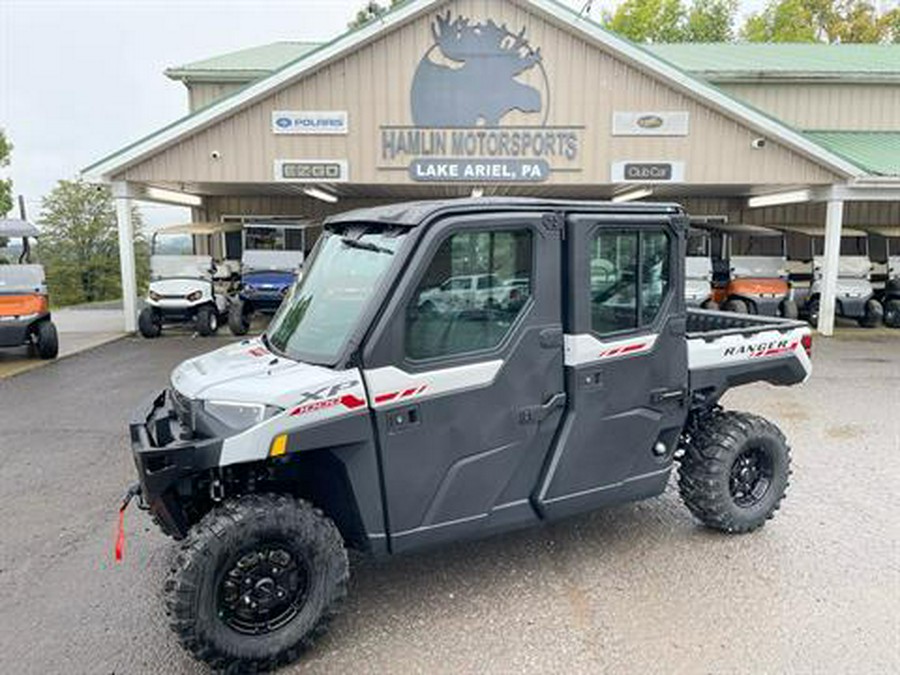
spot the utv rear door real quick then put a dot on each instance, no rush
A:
(626, 362)
(467, 395)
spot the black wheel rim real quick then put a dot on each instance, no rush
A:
(751, 477)
(264, 589)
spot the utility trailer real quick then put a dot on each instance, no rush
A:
(359, 420)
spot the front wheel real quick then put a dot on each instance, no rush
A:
(149, 323)
(254, 581)
(46, 340)
(874, 314)
(737, 306)
(207, 320)
(238, 319)
(734, 471)
(812, 312)
(892, 313)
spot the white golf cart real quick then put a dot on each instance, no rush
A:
(190, 280)
(698, 270)
(855, 295)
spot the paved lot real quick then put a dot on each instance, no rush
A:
(638, 588)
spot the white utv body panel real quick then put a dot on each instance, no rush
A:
(247, 372)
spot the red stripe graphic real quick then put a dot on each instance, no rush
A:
(406, 393)
(624, 349)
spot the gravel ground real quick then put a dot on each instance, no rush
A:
(638, 588)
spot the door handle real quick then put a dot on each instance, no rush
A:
(538, 413)
(664, 395)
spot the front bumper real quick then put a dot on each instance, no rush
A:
(168, 455)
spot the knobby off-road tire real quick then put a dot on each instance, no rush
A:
(725, 452)
(245, 539)
(149, 323)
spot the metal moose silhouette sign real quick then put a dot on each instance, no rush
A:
(484, 86)
(463, 94)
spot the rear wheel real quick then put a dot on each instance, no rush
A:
(788, 309)
(709, 304)
(892, 313)
(207, 320)
(255, 581)
(149, 323)
(734, 471)
(812, 312)
(874, 314)
(46, 340)
(737, 306)
(238, 319)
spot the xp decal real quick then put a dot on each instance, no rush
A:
(327, 397)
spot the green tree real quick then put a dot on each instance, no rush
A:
(6, 201)
(79, 244)
(372, 11)
(648, 20)
(819, 21)
(711, 21)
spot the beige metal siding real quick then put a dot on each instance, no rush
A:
(373, 85)
(861, 107)
(201, 94)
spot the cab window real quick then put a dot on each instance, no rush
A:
(472, 292)
(629, 279)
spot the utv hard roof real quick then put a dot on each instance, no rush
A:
(742, 228)
(411, 214)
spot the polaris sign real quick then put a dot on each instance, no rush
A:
(310, 122)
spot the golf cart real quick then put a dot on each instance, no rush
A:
(24, 305)
(855, 295)
(187, 284)
(271, 260)
(698, 270)
(756, 260)
(885, 252)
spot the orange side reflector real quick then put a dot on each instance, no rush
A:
(279, 446)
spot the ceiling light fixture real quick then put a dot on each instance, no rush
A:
(321, 195)
(631, 195)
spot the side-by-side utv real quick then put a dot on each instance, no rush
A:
(855, 293)
(24, 303)
(885, 251)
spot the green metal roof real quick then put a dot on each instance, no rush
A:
(716, 61)
(244, 64)
(722, 61)
(877, 152)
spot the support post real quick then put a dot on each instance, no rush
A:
(124, 206)
(834, 222)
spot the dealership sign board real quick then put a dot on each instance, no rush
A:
(312, 170)
(640, 171)
(458, 132)
(670, 123)
(320, 122)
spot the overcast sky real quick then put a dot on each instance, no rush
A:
(81, 78)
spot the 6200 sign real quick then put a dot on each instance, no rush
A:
(311, 171)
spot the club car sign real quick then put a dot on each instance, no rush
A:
(464, 92)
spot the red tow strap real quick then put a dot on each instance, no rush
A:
(120, 536)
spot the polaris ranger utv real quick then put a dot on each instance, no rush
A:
(360, 419)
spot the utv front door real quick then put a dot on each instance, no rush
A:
(468, 395)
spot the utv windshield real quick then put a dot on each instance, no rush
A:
(324, 307)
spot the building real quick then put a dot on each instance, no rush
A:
(527, 97)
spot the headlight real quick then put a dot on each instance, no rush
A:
(195, 296)
(240, 415)
(154, 296)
